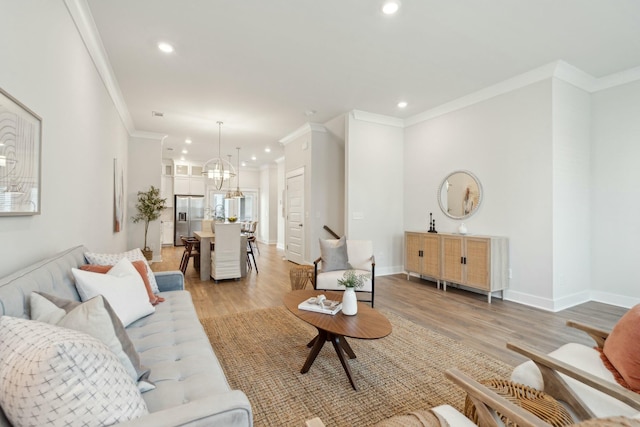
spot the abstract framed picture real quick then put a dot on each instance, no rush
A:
(20, 158)
(118, 196)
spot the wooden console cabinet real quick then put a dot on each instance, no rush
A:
(478, 262)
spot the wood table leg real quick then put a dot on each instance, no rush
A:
(312, 342)
(347, 348)
(317, 346)
(336, 340)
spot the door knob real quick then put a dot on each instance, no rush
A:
(299, 225)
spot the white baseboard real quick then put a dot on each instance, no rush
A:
(569, 301)
(387, 271)
(613, 299)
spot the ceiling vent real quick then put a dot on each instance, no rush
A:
(157, 114)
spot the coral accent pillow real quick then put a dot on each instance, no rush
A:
(622, 348)
(140, 266)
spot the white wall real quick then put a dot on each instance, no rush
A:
(326, 202)
(374, 196)
(268, 223)
(280, 189)
(571, 194)
(46, 66)
(615, 201)
(506, 141)
(145, 156)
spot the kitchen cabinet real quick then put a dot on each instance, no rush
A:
(476, 262)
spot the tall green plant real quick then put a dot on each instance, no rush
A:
(149, 206)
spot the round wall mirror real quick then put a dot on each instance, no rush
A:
(460, 195)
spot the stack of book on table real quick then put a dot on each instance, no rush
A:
(321, 304)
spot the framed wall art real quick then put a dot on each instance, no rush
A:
(118, 196)
(20, 158)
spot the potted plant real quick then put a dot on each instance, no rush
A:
(149, 207)
(351, 281)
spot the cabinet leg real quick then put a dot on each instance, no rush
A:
(444, 285)
(489, 297)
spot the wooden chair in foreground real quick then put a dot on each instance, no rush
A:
(492, 409)
(576, 374)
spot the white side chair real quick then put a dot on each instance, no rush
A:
(360, 257)
(225, 259)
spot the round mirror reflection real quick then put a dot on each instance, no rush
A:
(460, 195)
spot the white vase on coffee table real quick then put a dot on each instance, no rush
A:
(349, 302)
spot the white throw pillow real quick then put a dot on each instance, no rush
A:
(132, 255)
(122, 286)
(61, 377)
(96, 318)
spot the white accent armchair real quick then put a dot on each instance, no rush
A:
(359, 257)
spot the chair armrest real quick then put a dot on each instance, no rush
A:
(556, 386)
(170, 280)
(315, 271)
(317, 261)
(598, 335)
(226, 409)
(485, 399)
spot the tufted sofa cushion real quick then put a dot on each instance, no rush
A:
(173, 344)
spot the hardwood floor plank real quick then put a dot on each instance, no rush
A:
(456, 313)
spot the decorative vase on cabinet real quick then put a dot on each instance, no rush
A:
(349, 302)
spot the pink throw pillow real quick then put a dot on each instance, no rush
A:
(622, 349)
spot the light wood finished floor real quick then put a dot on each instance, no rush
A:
(462, 315)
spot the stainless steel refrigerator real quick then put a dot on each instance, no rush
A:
(189, 213)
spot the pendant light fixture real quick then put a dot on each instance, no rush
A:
(238, 194)
(217, 170)
(230, 193)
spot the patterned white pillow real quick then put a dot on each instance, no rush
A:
(56, 376)
(132, 255)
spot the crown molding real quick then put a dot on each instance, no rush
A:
(302, 130)
(148, 135)
(377, 118)
(558, 69)
(81, 16)
(617, 79)
(506, 86)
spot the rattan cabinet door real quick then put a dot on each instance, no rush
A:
(452, 247)
(478, 261)
(412, 256)
(431, 255)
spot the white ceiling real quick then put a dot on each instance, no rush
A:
(258, 65)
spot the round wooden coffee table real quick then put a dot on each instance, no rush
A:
(367, 324)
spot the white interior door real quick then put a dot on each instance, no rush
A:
(294, 239)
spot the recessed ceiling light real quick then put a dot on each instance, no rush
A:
(187, 141)
(402, 104)
(184, 151)
(181, 157)
(390, 7)
(253, 157)
(165, 47)
(267, 150)
(244, 163)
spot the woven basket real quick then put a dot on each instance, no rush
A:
(300, 275)
(534, 401)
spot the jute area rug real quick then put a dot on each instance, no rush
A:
(262, 352)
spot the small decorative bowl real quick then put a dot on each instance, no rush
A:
(232, 219)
